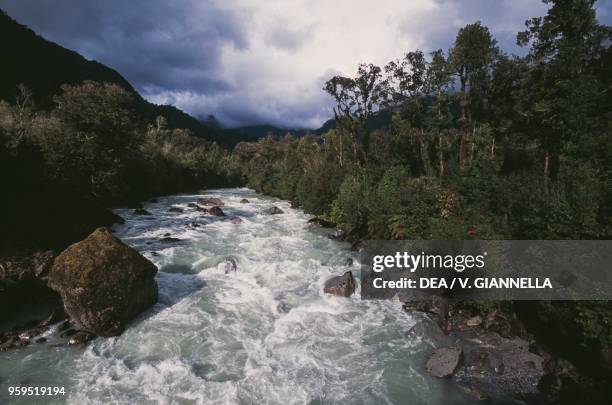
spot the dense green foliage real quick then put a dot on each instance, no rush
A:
(481, 144)
(92, 150)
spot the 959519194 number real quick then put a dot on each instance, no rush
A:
(12, 391)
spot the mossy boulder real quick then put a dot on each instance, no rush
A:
(104, 283)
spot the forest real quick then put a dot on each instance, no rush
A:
(481, 145)
(91, 151)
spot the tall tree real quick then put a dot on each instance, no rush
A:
(562, 96)
(407, 89)
(407, 77)
(471, 59)
(438, 80)
(356, 100)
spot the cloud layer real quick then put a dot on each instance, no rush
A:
(258, 61)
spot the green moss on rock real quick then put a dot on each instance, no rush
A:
(103, 282)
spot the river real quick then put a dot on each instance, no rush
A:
(263, 334)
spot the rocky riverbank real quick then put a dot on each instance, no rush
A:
(99, 285)
(94, 287)
(540, 352)
(493, 353)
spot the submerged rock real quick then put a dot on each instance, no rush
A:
(339, 234)
(273, 210)
(216, 211)
(176, 209)
(244, 201)
(474, 392)
(211, 201)
(80, 338)
(141, 211)
(228, 266)
(430, 332)
(170, 239)
(343, 285)
(444, 361)
(236, 220)
(193, 205)
(104, 283)
(12, 342)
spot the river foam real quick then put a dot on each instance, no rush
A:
(265, 333)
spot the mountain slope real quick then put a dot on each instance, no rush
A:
(44, 66)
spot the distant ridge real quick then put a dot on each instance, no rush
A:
(43, 66)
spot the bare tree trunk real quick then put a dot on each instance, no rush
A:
(340, 128)
(341, 145)
(440, 140)
(425, 155)
(464, 124)
(546, 170)
(441, 154)
(461, 151)
(355, 152)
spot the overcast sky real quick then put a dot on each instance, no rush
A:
(260, 61)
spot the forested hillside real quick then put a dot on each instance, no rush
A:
(76, 138)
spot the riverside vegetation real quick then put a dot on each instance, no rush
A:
(469, 143)
(480, 145)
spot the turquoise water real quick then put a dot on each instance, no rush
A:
(263, 334)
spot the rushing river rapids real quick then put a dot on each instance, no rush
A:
(263, 334)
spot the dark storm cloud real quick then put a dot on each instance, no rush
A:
(154, 44)
(260, 61)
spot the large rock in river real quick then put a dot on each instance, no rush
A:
(343, 285)
(103, 282)
(216, 211)
(273, 210)
(444, 361)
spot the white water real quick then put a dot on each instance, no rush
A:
(264, 334)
